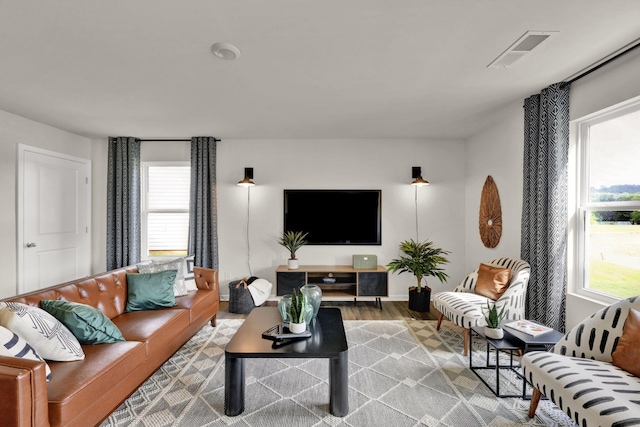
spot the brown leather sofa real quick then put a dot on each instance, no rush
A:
(85, 392)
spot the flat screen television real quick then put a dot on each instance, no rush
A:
(335, 217)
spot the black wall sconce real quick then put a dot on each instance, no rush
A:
(416, 174)
(248, 177)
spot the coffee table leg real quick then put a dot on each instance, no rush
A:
(339, 385)
(233, 386)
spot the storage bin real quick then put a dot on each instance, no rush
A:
(240, 299)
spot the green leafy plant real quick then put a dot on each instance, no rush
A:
(492, 317)
(293, 240)
(422, 259)
(298, 306)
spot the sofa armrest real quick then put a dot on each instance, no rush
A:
(206, 278)
(23, 387)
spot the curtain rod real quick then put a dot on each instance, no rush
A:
(602, 64)
(177, 140)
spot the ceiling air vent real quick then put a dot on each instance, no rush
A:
(524, 45)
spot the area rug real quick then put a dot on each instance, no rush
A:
(400, 374)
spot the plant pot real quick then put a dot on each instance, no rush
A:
(419, 301)
(297, 328)
(493, 333)
(292, 263)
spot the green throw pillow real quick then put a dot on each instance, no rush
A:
(88, 324)
(148, 291)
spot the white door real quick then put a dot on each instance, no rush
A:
(53, 218)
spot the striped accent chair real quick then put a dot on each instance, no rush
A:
(578, 376)
(465, 308)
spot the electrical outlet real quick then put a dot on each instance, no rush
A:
(227, 275)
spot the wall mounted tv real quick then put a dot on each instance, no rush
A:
(335, 217)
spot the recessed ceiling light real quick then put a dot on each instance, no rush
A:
(225, 51)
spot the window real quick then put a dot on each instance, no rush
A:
(608, 234)
(165, 209)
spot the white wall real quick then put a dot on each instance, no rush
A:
(320, 164)
(16, 130)
(342, 164)
(495, 151)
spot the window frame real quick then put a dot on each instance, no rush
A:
(583, 206)
(144, 206)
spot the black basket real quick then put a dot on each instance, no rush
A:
(240, 299)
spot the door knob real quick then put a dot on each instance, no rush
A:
(31, 245)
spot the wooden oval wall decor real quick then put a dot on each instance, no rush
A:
(490, 222)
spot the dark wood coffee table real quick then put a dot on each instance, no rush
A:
(327, 340)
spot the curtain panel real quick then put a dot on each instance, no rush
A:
(544, 206)
(203, 229)
(123, 202)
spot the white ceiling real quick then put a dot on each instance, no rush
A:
(309, 69)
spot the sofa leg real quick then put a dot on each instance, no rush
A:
(439, 321)
(213, 321)
(535, 399)
(467, 338)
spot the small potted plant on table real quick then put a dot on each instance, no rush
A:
(422, 259)
(492, 329)
(300, 312)
(293, 240)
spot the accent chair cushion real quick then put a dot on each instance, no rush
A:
(86, 323)
(627, 353)
(149, 291)
(13, 346)
(50, 338)
(492, 281)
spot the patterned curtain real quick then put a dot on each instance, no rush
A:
(544, 205)
(203, 219)
(123, 202)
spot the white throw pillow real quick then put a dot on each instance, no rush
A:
(13, 346)
(187, 269)
(50, 338)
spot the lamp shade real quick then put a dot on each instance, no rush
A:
(416, 174)
(248, 177)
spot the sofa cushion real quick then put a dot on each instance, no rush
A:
(86, 323)
(492, 281)
(156, 328)
(50, 338)
(80, 390)
(593, 392)
(187, 270)
(627, 352)
(13, 346)
(177, 264)
(148, 291)
(199, 304)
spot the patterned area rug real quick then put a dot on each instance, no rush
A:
(400, 374)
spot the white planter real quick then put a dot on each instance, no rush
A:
(297, 328)
(493, 333)
(292, 264)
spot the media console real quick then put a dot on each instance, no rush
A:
(336, 281)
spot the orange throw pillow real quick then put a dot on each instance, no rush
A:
(492, 281)
(627, 352)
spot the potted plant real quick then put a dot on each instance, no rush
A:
(298, 312)
(422, 259)
(492, 329)
(293, 240)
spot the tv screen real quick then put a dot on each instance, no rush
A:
(335, 217)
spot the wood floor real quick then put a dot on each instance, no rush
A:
(363, 310)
